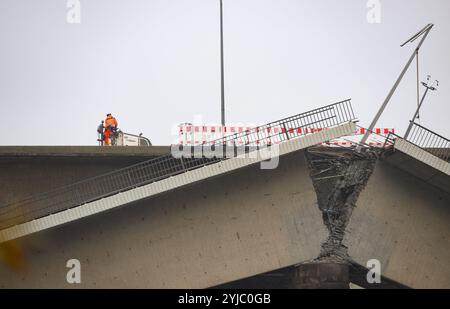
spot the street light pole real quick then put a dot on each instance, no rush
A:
(425, 31)
(417, 81)
(222, 78)
(432, 88)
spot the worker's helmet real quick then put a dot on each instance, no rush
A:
(103, 121)
(108, 114)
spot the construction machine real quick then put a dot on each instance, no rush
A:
(120, 138)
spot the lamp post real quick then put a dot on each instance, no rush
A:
(424, 33)
(222, 78)
(427, 85)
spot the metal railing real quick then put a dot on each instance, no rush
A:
(430, 141)
(156, 169)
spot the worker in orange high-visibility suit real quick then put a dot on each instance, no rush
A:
(110, 127)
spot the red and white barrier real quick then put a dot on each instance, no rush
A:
(194, 135)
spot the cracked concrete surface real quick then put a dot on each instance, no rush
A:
(338, 175)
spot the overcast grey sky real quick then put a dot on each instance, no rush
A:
(155, 63)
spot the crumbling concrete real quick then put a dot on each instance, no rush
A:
(338, 175)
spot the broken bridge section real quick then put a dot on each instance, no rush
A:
(172, 171)
(338, 175)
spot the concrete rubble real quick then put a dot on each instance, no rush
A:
(338, 175)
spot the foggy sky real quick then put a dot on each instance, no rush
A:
(155, 64)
